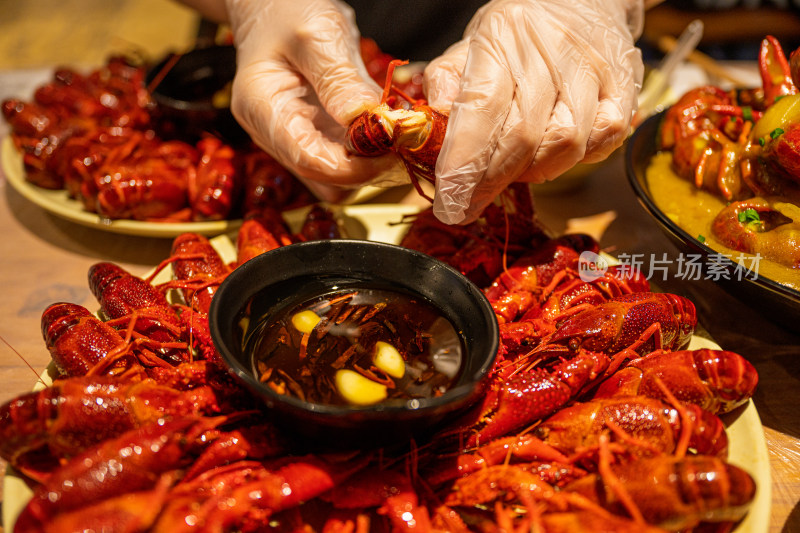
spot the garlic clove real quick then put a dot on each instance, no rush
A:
(388, 359)
(357, 389)
(305, 321)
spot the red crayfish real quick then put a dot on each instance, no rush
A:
(96, 136)
(745, 147)
(587, 411)
(414, 133)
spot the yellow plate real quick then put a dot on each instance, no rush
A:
(747, 444)
(58, 202)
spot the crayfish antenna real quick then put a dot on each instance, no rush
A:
(414, 174)
(413, 101)
(166, 262)
(38, 378)
(613, 482)
(687, 423)
(387, 88)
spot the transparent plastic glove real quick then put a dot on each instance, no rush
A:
(534, 87)
(299, 82)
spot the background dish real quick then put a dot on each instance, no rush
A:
(58, 203)
(774, 300)
(748, 447)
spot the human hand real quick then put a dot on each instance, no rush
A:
(299, 82)
(533, 88)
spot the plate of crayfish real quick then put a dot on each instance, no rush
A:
(114, 149)
(92, 148)
(719, 172)
(602, 394)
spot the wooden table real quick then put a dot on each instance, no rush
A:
(44, 259)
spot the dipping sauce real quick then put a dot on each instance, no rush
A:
(357, 346)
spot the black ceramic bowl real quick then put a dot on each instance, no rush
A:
(183, 87)
(294, 273)
(772, 299)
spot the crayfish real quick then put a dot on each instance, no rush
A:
(98, 137)
(744, 146)
(414, 133)
(593, 404)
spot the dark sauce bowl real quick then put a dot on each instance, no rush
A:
(183, 88)
(284, 276)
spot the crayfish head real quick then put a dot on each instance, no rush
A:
(781, 158)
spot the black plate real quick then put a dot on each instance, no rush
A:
(774, 300)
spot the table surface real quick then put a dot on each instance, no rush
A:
(44, 259)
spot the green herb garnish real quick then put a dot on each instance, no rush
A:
(747, 113)
(701, 238)
(774, 134)
(749, 215)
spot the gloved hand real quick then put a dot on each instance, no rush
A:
(534, 87)
(300, 81)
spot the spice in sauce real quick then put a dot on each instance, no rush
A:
(358, 346)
